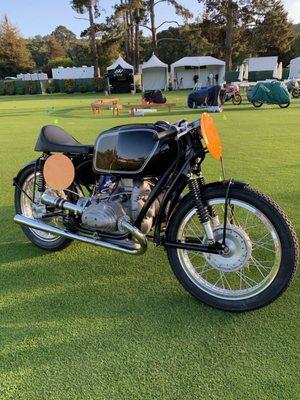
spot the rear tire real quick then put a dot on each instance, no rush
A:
(237, 99)
(50, 244)
(284, 105)
(257, 104)
(279, 280)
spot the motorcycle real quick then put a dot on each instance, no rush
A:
(232, 93)
(229, 245)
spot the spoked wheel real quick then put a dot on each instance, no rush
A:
(237, 99)
(261, 259)
(257, 104)
(24, 206)
(284, 105)
(296, 93)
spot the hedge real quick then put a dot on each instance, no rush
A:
(52, 86)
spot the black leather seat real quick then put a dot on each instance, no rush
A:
(55, 139)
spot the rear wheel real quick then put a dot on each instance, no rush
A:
(237, 99)
(284, 105)
(24, 206)
(257, 104)
(262, 257)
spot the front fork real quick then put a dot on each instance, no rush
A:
(206, 213)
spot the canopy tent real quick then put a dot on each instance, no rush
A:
(120, 76)
(185, 70)
(155, 74)
(261, 63)
(295, 68)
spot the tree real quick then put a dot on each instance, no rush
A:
(55, 49)
(151, 18)
(187, 40)
(130, 14)
(14, 55)
(39, 49)
(63, 36)
(109, 39)
(92, 8)
(274, 35)
(235, 16)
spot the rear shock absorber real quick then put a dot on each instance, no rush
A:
(41, 184)
(202, 211)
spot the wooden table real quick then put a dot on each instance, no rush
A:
(105, 103)
(134, 107)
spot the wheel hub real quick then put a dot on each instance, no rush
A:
(238, 251)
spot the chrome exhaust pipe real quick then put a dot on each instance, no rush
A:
(123, 223)
(60, 203)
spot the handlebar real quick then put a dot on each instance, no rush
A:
(167, 134)
(178, 129)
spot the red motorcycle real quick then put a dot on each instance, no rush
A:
(232, 93)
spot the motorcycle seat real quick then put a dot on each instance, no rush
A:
(55, 139)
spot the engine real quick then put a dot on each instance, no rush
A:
(114, 200)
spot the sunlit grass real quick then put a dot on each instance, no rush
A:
(91, 324)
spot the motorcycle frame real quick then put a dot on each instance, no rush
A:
(173, 182)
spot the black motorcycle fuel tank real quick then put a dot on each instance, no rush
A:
(131, 150)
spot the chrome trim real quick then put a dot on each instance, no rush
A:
(124, 224)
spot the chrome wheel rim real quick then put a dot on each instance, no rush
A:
(27, 210)
(257, 255)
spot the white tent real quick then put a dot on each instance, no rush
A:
(155, 74)
(184, 70)
(120, 62)
(262, 63)
(295, 68)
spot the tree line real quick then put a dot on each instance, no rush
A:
(228, 29)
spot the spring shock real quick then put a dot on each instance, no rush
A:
(211, 209)
(202, 211)
(41, 184)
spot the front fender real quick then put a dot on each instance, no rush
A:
(206, 189)
(28, 165)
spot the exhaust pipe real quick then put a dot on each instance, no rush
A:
(62, 204)
(123, 223)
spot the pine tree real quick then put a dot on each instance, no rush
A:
(14, 56)
(274, 35)
(92, 8)
(55, 49)
(235, 16)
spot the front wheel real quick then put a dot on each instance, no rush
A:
(296, 93)
(263, 251)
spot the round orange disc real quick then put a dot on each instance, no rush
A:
(59, 172)
(211, 136)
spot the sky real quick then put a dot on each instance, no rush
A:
(36, 17)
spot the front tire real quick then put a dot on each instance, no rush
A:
(250, 279)
(23, 206)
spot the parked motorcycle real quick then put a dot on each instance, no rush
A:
(229, 245)
(232, 93)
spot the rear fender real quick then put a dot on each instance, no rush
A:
(30, 164)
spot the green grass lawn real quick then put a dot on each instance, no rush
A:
(87, 323)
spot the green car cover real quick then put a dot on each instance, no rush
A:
(269, 92)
